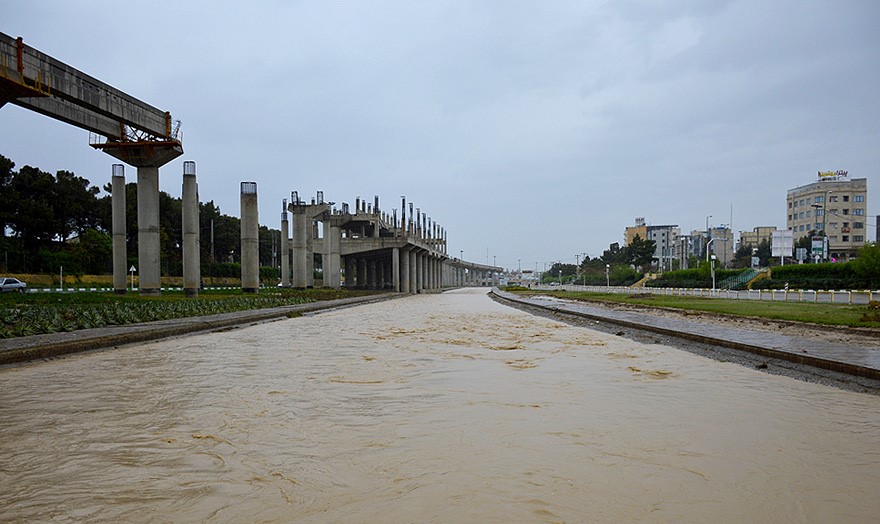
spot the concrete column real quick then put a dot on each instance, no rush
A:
(299, 245)
(350, 272)
(372, 278)
(362, 273)
(250, 239)
(395, 269)
(192, 271)
(404, 271)
(332, 259)
(120, 256)
(413, 282)
(310, 254)
(285, 247)
(148, 230)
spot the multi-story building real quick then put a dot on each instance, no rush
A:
(639, 229)
(665, 239)
(754, 237)
(836, 204)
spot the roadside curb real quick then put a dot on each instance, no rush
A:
(849, 368)
(23, 349)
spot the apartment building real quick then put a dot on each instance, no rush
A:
(834, 203)
(754, 237)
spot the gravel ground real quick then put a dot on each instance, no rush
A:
(856, 336)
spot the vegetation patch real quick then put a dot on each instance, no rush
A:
(828, 314)
(38, 313)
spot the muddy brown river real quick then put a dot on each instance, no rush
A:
(437, 408)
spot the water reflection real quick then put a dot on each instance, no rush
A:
(449, 408)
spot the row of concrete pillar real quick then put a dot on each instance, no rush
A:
(415, 268)
(148, 232)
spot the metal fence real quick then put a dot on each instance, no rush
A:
(826, 296)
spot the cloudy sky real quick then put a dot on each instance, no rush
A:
(532, 131)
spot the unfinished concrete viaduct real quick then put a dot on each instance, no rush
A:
(367, 248)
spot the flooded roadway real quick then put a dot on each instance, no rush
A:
(446, 408)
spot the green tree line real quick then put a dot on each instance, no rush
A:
(49, 221)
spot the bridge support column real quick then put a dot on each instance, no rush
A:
(404, 271)
(332, 259)
(395, 269)
(300, 247)
(362, 273)
(250, 239)
(350, 272)
(285, 246)
(117, 201)
(148, 230)
(192, 272)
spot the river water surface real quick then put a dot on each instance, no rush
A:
(443, 408)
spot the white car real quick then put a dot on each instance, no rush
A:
(9, 284)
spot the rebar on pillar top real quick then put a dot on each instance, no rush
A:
(248, 188)
(283, 209)
(118, 170)
(189, 168)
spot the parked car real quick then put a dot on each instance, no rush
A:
(9, 284)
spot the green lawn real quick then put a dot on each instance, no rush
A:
(834, 314)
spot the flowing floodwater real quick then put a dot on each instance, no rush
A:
(446, 408)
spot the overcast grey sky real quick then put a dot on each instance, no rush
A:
(532, 131)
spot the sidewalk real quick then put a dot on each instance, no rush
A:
(860, 361)
(35, 347)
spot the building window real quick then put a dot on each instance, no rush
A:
(820, 212)
(820, 199)
(858, 238)
(818, 227)
(801, 227)
(859, 212)
(789, 218)
(809, 200)
(858, 225)
(789, 204)
(846, 198)
(802, 202)
(845, 211)
(846, 224)
(832, 225)
(845, 238)
(808, 214)
(833, 198)
(859, 198)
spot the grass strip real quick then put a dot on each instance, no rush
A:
(817, 313)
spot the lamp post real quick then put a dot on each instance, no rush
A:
(708, 237)
(824, 234)
(713, 272)
(608, 275)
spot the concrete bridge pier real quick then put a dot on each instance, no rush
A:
(350, 272)
(300, 247)
(120, 258)
(413, 272)
(361, 273)
(250, 239)
(332, 259)
(285, 246)
(404, 271)
(148, 230)
(395, 269)
(192, 271)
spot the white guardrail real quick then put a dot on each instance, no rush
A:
(826, 296)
